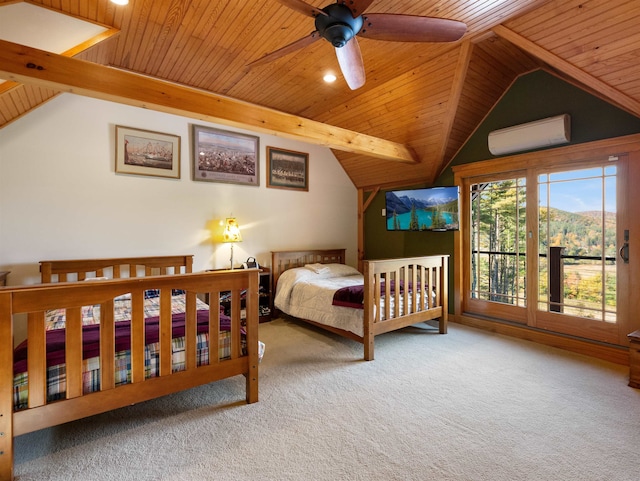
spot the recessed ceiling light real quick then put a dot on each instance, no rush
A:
(329, 78)
(120, 2)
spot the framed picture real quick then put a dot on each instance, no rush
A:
(144, 152)
(222, 156)
(287, 169)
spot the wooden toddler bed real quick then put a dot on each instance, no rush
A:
(390, 294)
(105, 344)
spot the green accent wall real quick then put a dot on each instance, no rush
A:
(534, 96)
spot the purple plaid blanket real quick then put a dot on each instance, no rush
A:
(353, 296)
(91, 338)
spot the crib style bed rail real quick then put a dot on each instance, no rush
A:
(402, 292)
(30, 303)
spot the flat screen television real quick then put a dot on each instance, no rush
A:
(426, 209)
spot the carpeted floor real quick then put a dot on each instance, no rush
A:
(468, 405)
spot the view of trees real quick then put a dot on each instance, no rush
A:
(498, 241)
(498, 244)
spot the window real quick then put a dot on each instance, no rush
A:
(498, 241)
(577, 242)
(546, 256)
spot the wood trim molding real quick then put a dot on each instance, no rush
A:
(454, 100)
(615, 354)
(619, 98)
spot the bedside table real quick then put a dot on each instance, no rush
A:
(265, 299)
(3, 278)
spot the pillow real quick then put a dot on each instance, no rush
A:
(341, 270)
(317, 268)
(327, 271)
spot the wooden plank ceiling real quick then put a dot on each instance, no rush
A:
(425, 98)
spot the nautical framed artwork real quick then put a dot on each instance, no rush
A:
(143, 152)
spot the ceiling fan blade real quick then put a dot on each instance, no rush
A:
(411, 28)
(286, 50)
(357, 6)
(351, 64)
(303, 7)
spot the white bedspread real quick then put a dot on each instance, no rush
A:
(307, 294)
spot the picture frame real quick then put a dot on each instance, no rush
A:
(287, 169)
(145, 152)
(224, 156)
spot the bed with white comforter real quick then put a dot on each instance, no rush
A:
(395, 293)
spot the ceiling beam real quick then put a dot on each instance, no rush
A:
(623, 101)
(453, 104)
(27, 65)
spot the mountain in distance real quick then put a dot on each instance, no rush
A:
(402, 204)
(580, 233)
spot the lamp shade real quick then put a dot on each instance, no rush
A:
(231, 231)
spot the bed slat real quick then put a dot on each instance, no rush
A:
(214, 326)
(107, 346)
(73, 352)
(235, 314)
(165, 332)
(36, 359)
(190, 331)
(137, 337)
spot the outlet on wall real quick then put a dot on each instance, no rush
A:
(384, 212)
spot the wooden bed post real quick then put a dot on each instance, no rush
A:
(444, 292)
(361, 211)
(6, 388)
(368, 314)
(252, 337)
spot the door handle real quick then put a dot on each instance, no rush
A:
(624, 252)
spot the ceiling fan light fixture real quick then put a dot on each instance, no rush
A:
(338, 25)
(338, 35)
(120, 2)
(329, 77)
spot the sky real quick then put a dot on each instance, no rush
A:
(581, 190)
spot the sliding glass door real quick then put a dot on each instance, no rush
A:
(545, 247)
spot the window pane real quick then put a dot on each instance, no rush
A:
(577, 242)
(499, 241)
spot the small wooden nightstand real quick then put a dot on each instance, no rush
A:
(3, 278)
(265, 299)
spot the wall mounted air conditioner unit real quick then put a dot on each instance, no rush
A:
(541, 133)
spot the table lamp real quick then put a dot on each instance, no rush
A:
(231, 234)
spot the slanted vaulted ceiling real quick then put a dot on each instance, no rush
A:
(418, 106)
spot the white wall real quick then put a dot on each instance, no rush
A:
(61, 198)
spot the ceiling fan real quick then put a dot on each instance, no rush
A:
(341, 22)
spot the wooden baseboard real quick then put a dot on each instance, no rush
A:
(606, 352)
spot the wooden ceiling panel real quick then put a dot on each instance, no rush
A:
(20, 100)
(418, 95)
(598, 38)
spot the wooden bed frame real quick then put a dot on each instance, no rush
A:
(29, 303)
(413, 269)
